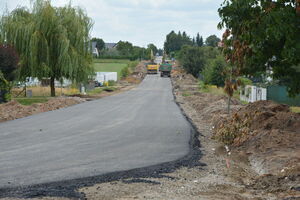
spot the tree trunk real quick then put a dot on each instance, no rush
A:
(52, 86)
(228, 105)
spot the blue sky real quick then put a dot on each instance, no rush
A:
(143, 21)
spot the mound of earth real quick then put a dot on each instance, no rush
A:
(14, 110)
(262, 138)
(269, 134)
(137, 76)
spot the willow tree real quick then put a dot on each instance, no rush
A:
(53, 42)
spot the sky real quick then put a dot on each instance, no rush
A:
(142, 22)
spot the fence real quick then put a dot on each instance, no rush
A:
(279, 94)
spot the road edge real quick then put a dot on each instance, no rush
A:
(69, 188)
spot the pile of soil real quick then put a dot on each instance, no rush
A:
(137, 76)
(262, 139)
(269, 135)
(14, 110)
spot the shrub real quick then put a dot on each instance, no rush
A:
(111, 83)
(125, 72)
(213, 72)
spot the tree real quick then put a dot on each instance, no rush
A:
(174, 41)
(125, 48)
(8, 65)
(51, 41)
(192, 59)
(212, 41)
(199, 40)
(214, 71)
(153, 48)
(160, 52)
(100, 44)
(263, 36)
(9, 61)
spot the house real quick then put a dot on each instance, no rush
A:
(94, 49)
(110, 45)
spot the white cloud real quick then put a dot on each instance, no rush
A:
(143, 21)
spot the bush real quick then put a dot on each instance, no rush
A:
(132, 65)
(111, 83)
(125, 72)
(213, 72)
(192, 59)
(245, 81)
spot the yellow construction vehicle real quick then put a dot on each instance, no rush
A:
(152, 68)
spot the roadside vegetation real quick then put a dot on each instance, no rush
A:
(295, 109)
(30, 101)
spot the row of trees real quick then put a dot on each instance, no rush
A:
(52, 42)
(125, 49)
(175, 41)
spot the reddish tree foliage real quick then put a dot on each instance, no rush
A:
(9, 60)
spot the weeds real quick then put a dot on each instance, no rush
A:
(30, 101)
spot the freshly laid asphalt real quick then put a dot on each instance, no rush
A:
(138, 128)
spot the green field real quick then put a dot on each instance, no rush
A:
(107, 65)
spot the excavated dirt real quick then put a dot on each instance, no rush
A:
(14, 110)
(268, 134)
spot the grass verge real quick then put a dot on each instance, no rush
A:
(295, 109)
(30, 101)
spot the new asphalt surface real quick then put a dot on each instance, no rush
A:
(141, 127)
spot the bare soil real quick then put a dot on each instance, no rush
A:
(14, 110)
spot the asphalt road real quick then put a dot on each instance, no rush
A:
(138, 128)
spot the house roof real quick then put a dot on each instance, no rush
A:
(110, 45)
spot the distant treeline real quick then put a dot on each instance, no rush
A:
(125, 50)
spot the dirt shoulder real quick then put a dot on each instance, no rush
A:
(14, 110)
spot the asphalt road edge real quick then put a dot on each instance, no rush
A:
(69, 188)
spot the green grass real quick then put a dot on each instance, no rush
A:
(216, 90)
(110, 65)
(30, 101)
(113, 65)
(295, 109)
(95, 91)
(186, 94)
(111, 61)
